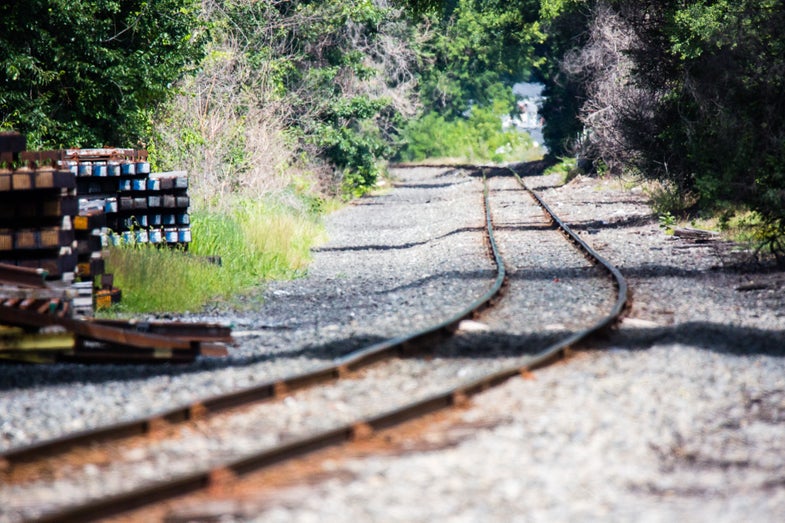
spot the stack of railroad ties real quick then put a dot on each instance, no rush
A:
(37, 325)
(54, 210)
(59, 209)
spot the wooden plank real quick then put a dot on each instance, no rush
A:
(30, 356)
(193, 331)
(5, 180)
(6, 240)
(94, 331)
(22, 180)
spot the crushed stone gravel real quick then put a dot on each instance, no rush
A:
(677, 415)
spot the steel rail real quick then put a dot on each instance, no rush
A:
(190, 483)
(340, 367)
(22, 276)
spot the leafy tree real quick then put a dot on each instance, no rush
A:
(565, 25)
(690, 92)
(80, 73)
(324, 82)
(476, 52)
(723, 114)
(478, 48)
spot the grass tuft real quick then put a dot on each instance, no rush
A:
(256, 241)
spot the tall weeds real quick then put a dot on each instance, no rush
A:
(254, 240)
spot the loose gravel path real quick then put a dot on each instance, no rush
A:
(678, 415)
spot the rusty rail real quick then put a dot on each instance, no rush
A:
(22, 276)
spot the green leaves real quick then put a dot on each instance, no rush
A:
(478, 44)
(81, 73)
(478, 137)
(708, 79)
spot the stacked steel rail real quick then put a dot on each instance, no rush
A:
(404, 345)
(117, 190)
(60, 208)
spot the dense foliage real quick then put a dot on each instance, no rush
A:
(292, 86)
(476, 138)
(476, 52)
(688, 92)
(78, 73)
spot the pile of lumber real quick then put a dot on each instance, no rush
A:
(38, 205)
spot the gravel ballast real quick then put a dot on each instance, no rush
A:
(679, 414)
(559, 285)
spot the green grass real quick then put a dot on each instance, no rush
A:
(567, 168)
(256, 240)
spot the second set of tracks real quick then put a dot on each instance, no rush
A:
(42, 460)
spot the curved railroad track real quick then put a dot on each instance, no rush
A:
(34, 462)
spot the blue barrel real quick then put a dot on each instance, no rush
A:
(170, 235)
(142, 236)
(156, 236)
(184, 236)
(114, 239)
(71, 166)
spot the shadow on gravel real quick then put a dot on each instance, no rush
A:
(428, 185)
(558, 275)
(485, 275)
(20, 376)
(630, 221)
(621, 201)
(723, 339)
(535, 168)
(491, 345)
(402, 246)
(658, 271)
(516, 228)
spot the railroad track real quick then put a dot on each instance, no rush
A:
(362, 366)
